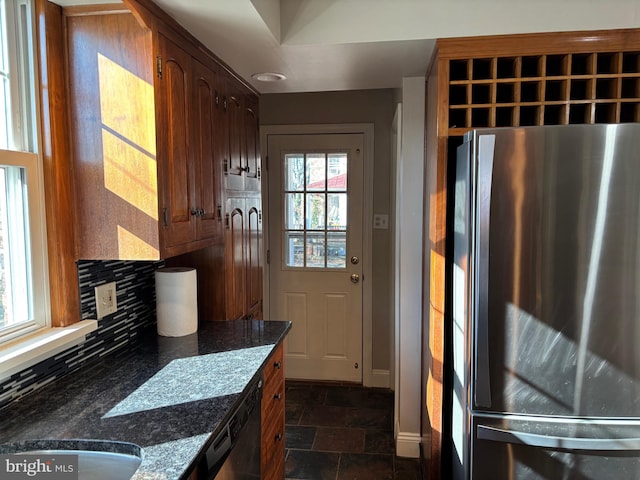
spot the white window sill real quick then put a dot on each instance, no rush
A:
(31, 349)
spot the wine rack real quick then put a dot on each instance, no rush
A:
(553, 78)
(557, 89)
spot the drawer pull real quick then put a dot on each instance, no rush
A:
(278, 396)
(277, 365)
(278, 437)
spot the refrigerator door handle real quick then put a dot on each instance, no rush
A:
(486, 149)
(555, 442)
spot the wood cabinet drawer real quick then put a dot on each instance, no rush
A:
(275, 470)
(272, 401)
(273, 415)
(275, 366)
(272, 445)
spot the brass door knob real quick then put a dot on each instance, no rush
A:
(355, 278)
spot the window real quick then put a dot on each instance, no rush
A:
(315, 210)
(23, 274)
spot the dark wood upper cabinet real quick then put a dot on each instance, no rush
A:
(206, 132)
(176, 170)
(156, 123)
(253, 167)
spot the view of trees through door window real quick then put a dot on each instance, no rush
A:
(315, 210)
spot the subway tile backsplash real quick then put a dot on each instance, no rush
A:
(135, 288)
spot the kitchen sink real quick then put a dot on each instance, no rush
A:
(97, 459)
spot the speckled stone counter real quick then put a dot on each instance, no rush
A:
(169, 396)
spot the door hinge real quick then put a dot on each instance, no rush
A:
(159, 66)
(268, 257)
(259, 173)
(226, 220)
(220, 213)
(259, 216)
(225, 166)
(164, 217)
(217, 98)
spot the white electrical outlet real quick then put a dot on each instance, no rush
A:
(106, 301)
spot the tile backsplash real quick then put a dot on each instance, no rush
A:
(135, 289)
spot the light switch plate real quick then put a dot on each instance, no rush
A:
(381, 221)
(106, 299)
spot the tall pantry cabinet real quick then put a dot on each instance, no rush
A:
(230, 274)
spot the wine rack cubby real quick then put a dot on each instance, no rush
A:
(556, 89)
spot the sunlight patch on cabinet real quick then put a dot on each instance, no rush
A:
(132, 246)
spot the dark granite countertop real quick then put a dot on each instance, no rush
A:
(169, 396)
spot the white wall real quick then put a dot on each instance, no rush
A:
(409, 290)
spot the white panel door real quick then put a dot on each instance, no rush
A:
(315, 225)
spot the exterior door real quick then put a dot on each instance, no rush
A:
(315, 220)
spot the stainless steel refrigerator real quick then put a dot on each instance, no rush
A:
(546, 304)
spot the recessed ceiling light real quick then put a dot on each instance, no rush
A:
(268, 77)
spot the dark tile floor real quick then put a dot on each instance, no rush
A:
(342, 432)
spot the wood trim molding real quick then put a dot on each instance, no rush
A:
(153, 17)
(538, 43)
(95, 9)
(58, 172)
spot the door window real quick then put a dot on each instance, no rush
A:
(315, 210)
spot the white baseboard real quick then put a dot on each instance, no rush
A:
(379, 379)
(408, 445)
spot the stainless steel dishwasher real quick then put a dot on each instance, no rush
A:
(235, 452)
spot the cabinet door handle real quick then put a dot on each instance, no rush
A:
(278, 396)
(278, 437)
(277, 365)
(195, 212)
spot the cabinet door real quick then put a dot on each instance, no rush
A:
(234, 171)
(254, 254)
(175, 174)
(235, 258)
(252, 144)
(204, 136)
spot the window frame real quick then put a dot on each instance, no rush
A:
(306, 231)
(24, 116)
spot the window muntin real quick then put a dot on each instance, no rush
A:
(315, 210)
(23, 273)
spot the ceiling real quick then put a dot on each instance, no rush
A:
(323, 45)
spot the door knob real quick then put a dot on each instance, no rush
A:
(355, 260)
(355, 278)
